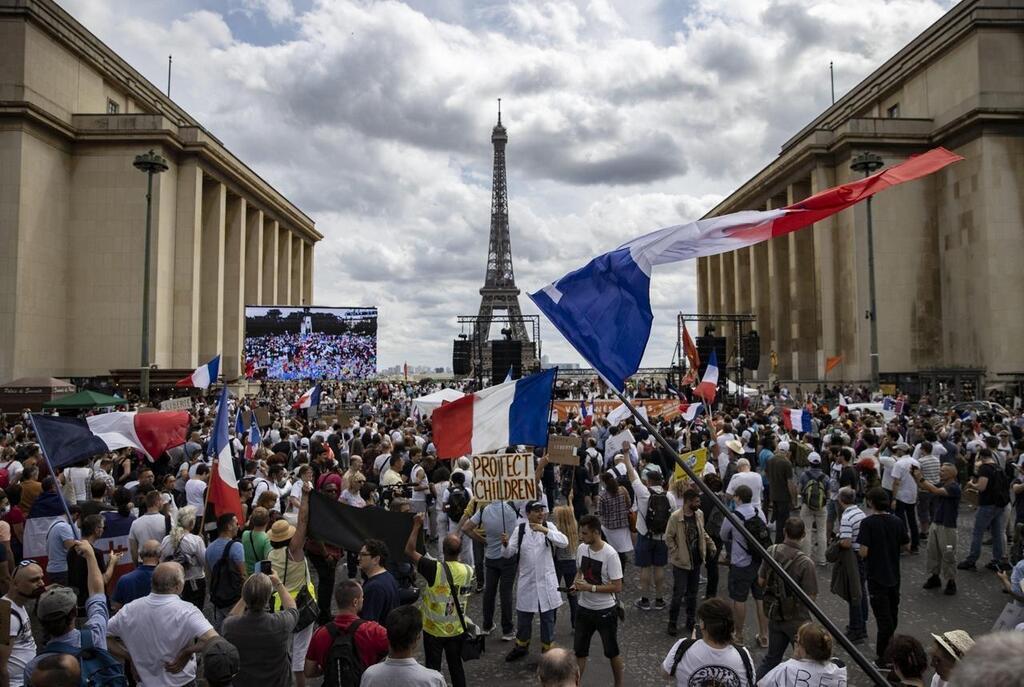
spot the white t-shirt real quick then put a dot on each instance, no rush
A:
(295, 493)
(752, 480)
(23, 646)
(597, 568)
(703, 664)
(80, 479)
(354, 500)
(418, 478)
(262, 484)
(907, 492)
(195, 494)
(887, 464)
(146, 527)
(155, 629)
(804, 673)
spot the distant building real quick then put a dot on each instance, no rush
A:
(947, 248)
(73, 210)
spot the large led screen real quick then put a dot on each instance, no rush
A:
(310, 343)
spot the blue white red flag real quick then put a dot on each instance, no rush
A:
(844, 406)
(708, 387)
(508, 414)
(254, 439)
(204, 376)
(67, 440)
(689, 411)
(309, 399)
(223, 488)
(46, 510)
(604, 308)
(586, 413)
(798, 419)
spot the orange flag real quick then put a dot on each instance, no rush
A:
(832, 362)
(690, 351)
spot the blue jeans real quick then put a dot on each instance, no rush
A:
(524, 629)
(989, 518)
(566, 568)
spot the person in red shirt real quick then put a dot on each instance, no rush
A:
(371, 639)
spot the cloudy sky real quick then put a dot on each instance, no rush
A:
(623, 116)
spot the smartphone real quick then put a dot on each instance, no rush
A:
(266, 568)
(567, 590)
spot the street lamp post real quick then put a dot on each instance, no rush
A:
(151, 164)
(868, 163)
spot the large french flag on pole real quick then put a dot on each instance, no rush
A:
(204, 376)
(604, 308)
(223, 489)
(798, 419)
(309, 399)
(67, 440)
(504, 415)
(708, 387)
(46, 510)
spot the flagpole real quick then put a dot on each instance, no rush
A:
(869, 669)
(53, 473)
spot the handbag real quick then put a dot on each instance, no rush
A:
(620, 609)
(309, 610)
(1012, 615)
(472, 642)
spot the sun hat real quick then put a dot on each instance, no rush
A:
(735, 446)
(281, 531)
(956, 643)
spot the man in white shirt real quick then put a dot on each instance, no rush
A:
(751, 479)
(161, 632)
(195, 488)
(598, 581)
(904, 488)
(651, 552)
(152, 525)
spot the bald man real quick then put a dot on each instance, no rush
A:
(558, 668)
(57, 670)
(137, 583)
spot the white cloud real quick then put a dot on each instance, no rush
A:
(375, 117)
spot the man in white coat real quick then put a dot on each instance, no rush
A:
(537, 592)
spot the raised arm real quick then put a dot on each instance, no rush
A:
(414, 536)
(302, 526)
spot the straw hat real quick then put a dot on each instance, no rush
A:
(956, 643)
(281, 531)
(735, 446)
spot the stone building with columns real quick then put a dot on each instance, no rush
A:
(948, 249)
(73, 116)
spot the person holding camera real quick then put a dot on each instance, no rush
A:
(263, 640)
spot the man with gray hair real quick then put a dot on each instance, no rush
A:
(263, 640)
(850, 517)
(558, 668)
(995, 659)
(160, 632)
(137, 583)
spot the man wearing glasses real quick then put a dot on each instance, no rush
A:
(26, 584)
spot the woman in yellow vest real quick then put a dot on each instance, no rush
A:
(289, 564)
(443, 633)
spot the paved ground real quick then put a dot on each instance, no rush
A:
(645, 644)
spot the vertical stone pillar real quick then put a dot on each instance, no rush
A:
(284, 266)
(702, 285)
(270, 253)
(761, 305)
(254, 256)
(211, 297)
(297, 266)
(307, 274)
(234, 285)
(802, 292)
(187, 264)
(778, 278)
(822, 177)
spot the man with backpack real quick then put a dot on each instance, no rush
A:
(347, 645)
(814, 495)
(57, 610)
(712, 659)
(263, 640)
(225, 568)
(744, 563)
(786, 613)
(532, 545)
(653, 508)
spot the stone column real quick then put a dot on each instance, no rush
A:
(802, 292)
(187, 264)
(254, 256)
(778, 277)
(297, 265)
(822, 177)
(284, 266)
(702, 285)
(211, 297)
(270, 253)
(234, 285)
(307, 274)
(761, 305)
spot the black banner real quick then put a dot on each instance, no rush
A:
(348, 527)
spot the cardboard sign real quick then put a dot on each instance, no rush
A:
(504, 477)
(562, 450)
(614, 444)
(695, 459)
(180, 403)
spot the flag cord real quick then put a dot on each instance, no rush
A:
(53, 473)
(869, 669)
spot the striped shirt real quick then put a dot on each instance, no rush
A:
(930, 468)
(849, 525)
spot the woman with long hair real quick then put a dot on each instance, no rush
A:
(613, 508)
(188, 550)
(565, 556)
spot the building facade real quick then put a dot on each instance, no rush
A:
(947, 248)
(73, 116)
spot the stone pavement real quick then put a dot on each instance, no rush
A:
(644, 643)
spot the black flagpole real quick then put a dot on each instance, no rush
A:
(869, 668)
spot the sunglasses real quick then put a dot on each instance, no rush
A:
(23, 564)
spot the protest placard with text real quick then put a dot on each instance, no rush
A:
(562, 450)
(504, 477)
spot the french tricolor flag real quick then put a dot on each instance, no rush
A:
(586, 413)
(689, 411)
(223, 494)
(67, 440)
(844, 405)
(504, 415)
(708, 387)
(204, 376)
(309, 399)
(254, 438)
(797, 418)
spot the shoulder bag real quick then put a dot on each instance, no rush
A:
(309, 610)
(472, 642)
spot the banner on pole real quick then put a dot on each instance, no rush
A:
(695, 459)
(179, 403)
(562, 450)
(504, 477)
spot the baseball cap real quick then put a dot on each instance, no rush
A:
(533, 505)
(220, 661)
(652, 471)
(56, 602)
(814, 458)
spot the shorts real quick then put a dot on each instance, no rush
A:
(650, 552)
(300, 644)
(604, 622)
(743, 582)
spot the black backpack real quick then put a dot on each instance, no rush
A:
(759, 528)
(684, 646)
(225, 581)
(343, 667)
(458, 499)
(658, 512)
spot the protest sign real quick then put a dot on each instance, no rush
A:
(504, 477)
(614, 444)
(695, 459)
(180, 403)
(562, 450)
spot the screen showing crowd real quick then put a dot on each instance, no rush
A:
(310, 343)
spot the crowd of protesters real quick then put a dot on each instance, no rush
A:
(843, 508)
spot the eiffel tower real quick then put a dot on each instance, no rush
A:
(499, 291)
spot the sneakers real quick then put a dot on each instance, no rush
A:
(933, 583)
(643, 604)
(508, 637)
(950, 588)
(966, 565)
(488, 630)
(672, 630)
(518, 651)
(659, 604)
